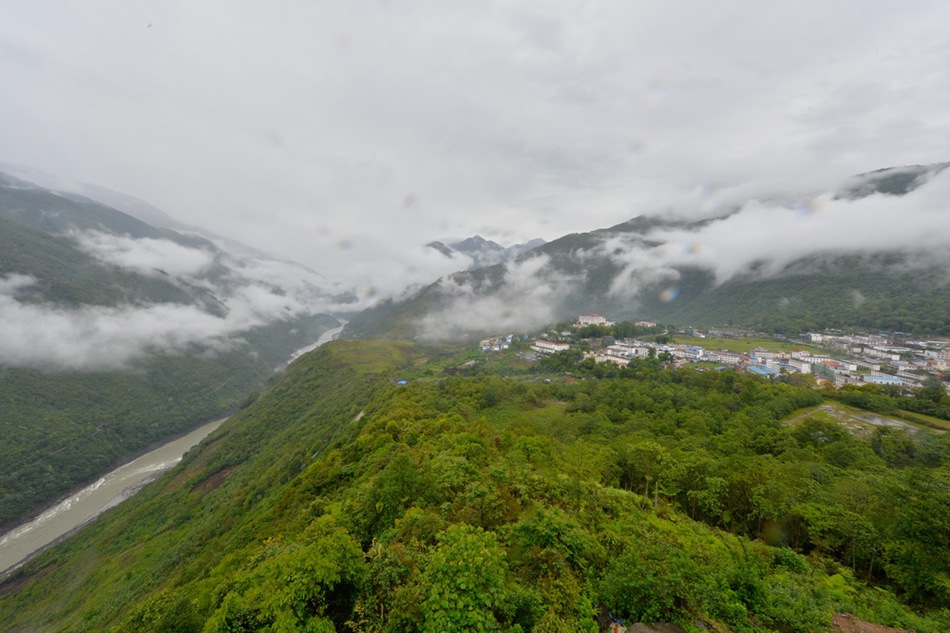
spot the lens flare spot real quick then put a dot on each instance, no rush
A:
(670, 294)
(817, 205)
(694, 249)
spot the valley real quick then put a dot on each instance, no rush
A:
(79, 508)
(467, 457)
(83, 506)
(501, 317)
(119, 335)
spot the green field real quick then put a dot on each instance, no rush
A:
(743, 345)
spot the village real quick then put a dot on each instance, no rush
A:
(832, 358)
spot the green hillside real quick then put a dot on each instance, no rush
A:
(341, 500)
(880, 292)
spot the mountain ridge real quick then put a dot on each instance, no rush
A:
(684, 271)
(483, 252)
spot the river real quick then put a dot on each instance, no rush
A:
(20, 543)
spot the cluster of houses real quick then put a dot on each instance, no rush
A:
(857, 359)
(884, 360)
(497, 343)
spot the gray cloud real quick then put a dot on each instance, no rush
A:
(303, 129)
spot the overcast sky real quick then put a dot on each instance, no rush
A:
(347, 134)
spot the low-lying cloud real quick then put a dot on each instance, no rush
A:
(46, 337)
(146, 256)
(760, 237)
(248, 293)
(772, 235)
(528, 299)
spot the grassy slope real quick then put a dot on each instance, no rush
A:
(210, 507)
(329, 499)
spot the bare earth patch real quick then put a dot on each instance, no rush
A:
(847, 623)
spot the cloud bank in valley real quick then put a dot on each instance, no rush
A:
(46, 337)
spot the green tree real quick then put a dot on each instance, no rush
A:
(464, 581)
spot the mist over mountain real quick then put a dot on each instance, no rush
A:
(872, 252)
(128, 288)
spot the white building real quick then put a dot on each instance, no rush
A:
(592, 319)
(883, 379)
(800, 365)
(727, 358)
(608, 358)
(547, 347)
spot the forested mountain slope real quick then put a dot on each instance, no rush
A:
(118, 335)
(341, 500)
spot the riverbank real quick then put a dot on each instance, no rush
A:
(56, 523)
(326, 337)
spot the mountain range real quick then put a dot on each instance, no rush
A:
(103, 309)
(871, 254)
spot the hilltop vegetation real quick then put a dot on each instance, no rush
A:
(340, 500)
